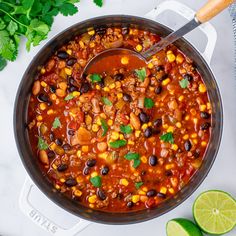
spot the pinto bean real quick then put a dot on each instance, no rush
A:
(43, 157)
(96, 107)
(36, 88)
(134, 121)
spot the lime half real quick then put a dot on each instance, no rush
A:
(182, 227)
(215, 212)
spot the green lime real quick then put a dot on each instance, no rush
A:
(215, 212)
(182, 227)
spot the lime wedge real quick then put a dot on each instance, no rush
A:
(182, 227)
(215, 212)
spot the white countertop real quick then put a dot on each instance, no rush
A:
(13, 174)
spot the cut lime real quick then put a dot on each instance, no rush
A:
(215, 212)
(182, 227)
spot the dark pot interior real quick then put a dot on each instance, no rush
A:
(24, 147)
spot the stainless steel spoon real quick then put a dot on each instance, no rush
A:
(207, 12)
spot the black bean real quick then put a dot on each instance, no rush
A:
(119, 76)
(58, 142)
(188, 77)
(187, 145)
(151, 193)
(70, 182)
(205, 115)
(51, 154)
(86, 170)
(165, 76)
(49, 103)
(101, 194)
(62, 167)
(148, 132)
(158, 89)
(105, 170)
(161, 195)
(125, 30)
(144, 118)
(168, 173)
(62, 55)
(143, 172)
(101, 83)
(153, 160)
(51, 136)
(101, 31)
(159, 68)
(66, 147)
(129, 204)
(120, 196)
(43, 97)
(196, 153)
(85, 86)
(71, 81)
(72, 89)
(205, 126)
(71, 132)
(52, 88)
(71, 61)
(157, 123)
(127, 97)
(91, 162)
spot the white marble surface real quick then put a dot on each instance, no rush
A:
(12, 173)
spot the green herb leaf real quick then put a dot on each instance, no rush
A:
(132, 156)
(56, 123)
(42, 145)
(126, 129)
(148, 103)
(95, 78)
(3, 63)
(104, 127)
(138, 185)
(106, 101)
(118, 143)
(141, 74)
(136, 163)
(12, 27)
(98, 2)
(96, 181)
(69, 97)
(167, 137)
(68, 9)
(184, 83)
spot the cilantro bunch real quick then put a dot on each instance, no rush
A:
(29, 18)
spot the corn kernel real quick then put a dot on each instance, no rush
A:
(44, 84)
(135, 198)
(79, 153)
(124, 60)
(208, 106)
(75, 93)
(151, 88)
(194, 135)
(92, 45)
(163, 190)
(124, 182)
(186, 136)
(110, 122)
(92, 199)
(165, 126)
(187, 117)
(182, 71)
(53, 96)
(119, 95)
(143, 159)
(112, 86)
(165, 82)
(54, 166)
(171, 190)
(118, 84)
(137, 133)
(202, 88)
(50, 111)
(103, 155)
(150, 123)
(195, 120)
(115, 135)
(103, 115)
(94, 174)
(77, 193)
(130, 142)
(171, 57)
(169, 166)
(57, 186)
(178, 125)
(106, 89)
(62, 85)
(95, 128)
(179, 59)
(79, 179)
(68, 71)
(91, 205)
(181, 98)
(42, 71)
(150, 65)
(91, 32)
(69, 51)
(139, 47)
(42, 106)
(98, 87)
(141, 192)
(203, 143)
(121, 136)
(144, 189)
(39, 118)
(85, 148)
(174, 147)
(81, 43)
(144, 126)
(170, 129)
(62, 180)
(203, 107)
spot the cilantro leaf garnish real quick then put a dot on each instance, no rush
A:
(118, 143)
(69, 97)
(132, 156)
(42, 145)
(138, 185)
(184, 83)
(106, 101)
(148, 103)
(98, 2)
(141, 73)
(126, 129)
(96, 181)
(104, 127)
(167, 137)
(95, 78)
(56, 123)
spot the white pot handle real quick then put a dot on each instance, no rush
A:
(188, 13)
(41, 220)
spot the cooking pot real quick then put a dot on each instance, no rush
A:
(22, 100)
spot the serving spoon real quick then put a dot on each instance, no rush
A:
(204, 14)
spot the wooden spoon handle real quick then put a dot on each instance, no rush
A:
(211, 9)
